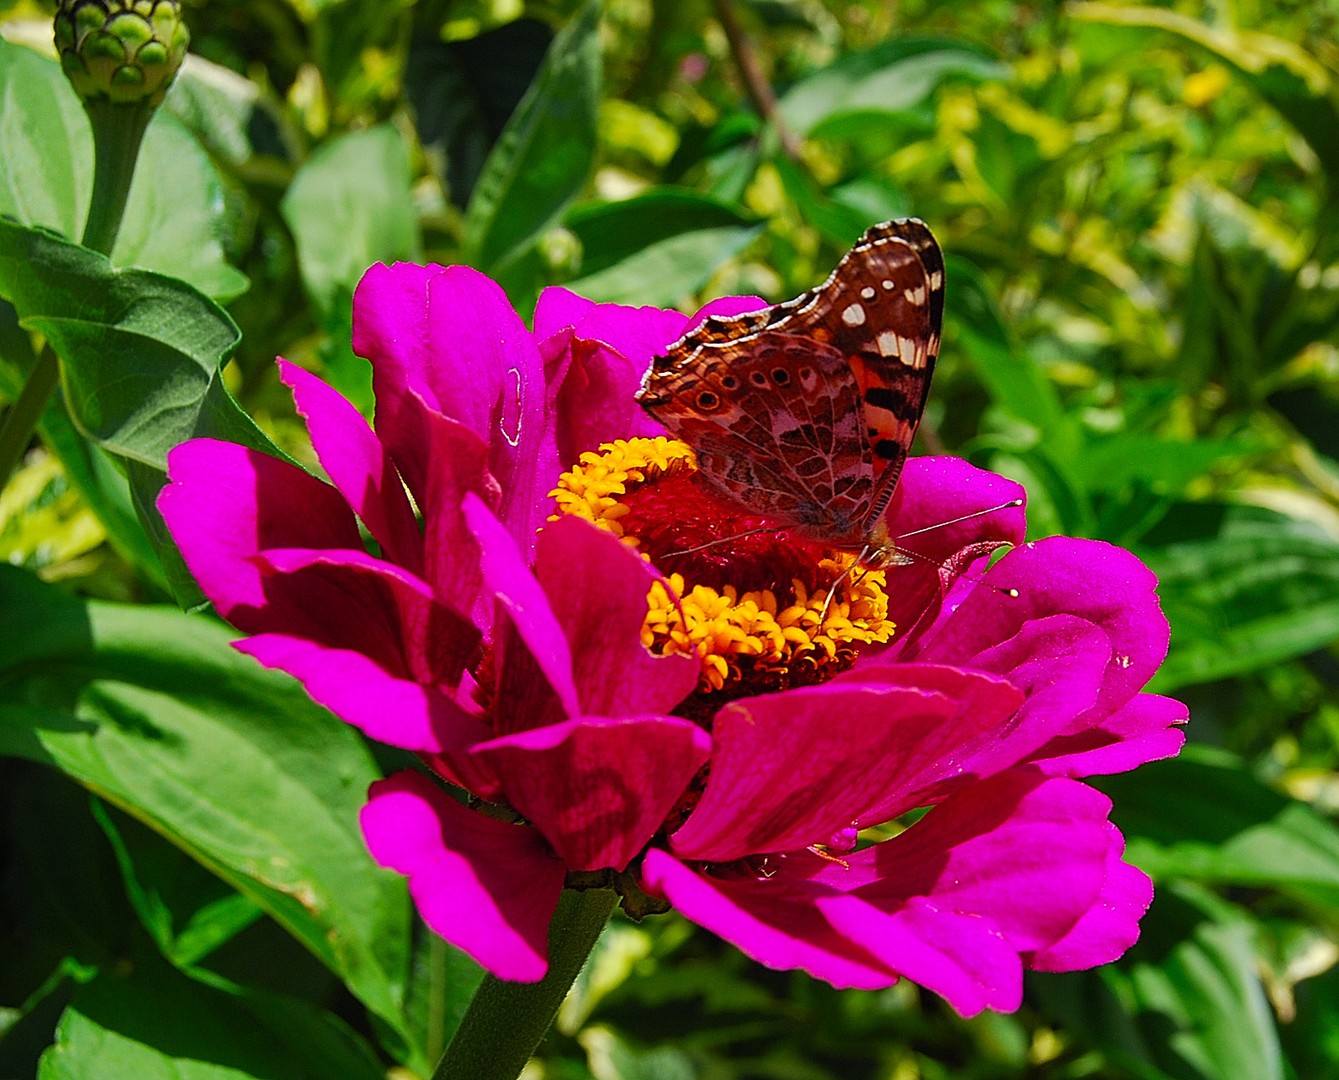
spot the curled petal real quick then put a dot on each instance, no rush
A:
(1145, 728)
(225, 503)
(358, 465)
(1110, 926)
(1103, 584)
(534, 660)
(389, 708)
(446, 340)
(1029, 855)
(486, 886)
(779, 926)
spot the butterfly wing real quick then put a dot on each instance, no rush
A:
(773, 419)
(870, 333)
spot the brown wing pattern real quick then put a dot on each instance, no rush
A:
(805, 411)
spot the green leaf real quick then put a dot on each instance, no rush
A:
(1263, 592)
(544, 154)
(349, 206)
(186, 910)
(463, 93)
(1294, 82)
(1113, 463)
(892, 78)
(140, 360)
(174, 214)
(230, 115)
(839, 223)
(152, 1023)
(655, 248)
(361, 180)
(1186, 1003)
(1198, 997)
(1015, 382)
(152, 710)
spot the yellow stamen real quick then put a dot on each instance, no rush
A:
(746, 642)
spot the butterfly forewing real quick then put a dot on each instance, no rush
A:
(805, 412)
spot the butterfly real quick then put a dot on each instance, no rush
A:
(803, 413)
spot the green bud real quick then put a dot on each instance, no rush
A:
(123, 51)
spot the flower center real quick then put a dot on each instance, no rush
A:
(762, 608)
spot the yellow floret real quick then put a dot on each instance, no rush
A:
(725, 629)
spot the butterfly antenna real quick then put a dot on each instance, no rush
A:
(956, 520)
(902, 552)
(722, 540)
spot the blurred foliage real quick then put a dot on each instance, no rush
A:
(1140, 206)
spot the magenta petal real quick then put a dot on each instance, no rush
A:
(357, 464)
(636, 333)
(597, 586)
(559, 310)
(936, 758)
(1105, 585)
(931, 492)
(486, 886)
(361, 602)
(392, 710)
(778, 924)
(1110, 926)
(224, 503)
(962, 958)
(594, 401)
(790, 770)
(539, 636)
(598, 788)
(445, 339)
(724, 307)
(1145, 728)
(1057, 663)
(1026, 853)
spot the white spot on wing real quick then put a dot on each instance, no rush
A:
(867, 293)
(916, 295)
(854, 315)
(887, 283)
(888, 343)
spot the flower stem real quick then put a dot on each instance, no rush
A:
(756, 85)
(118, 130)
(23, 416)
(506, 1020)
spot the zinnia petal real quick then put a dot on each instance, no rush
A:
(358, 465)
(486, 886)
(789, 770)
(558, 777)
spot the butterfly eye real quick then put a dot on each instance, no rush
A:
(729, 382)
(758, 378)
(781, 376)
(706, 401)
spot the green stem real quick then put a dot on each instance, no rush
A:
(23, 416)
(506, 1020)
(118, 131)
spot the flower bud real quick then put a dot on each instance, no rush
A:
(124, 51)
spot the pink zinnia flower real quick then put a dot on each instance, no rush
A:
(699, 741)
